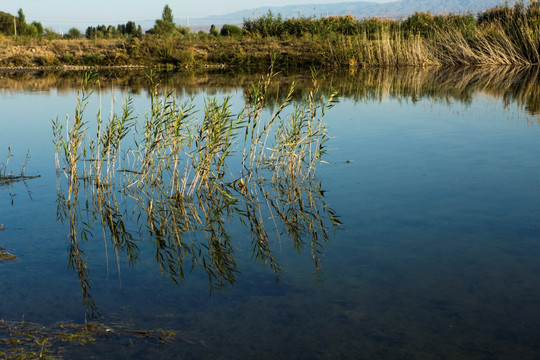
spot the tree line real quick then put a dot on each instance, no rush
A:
(12, 25)
(270, 25)
(419, 23)
(16, 25)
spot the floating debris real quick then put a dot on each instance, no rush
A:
(7, 180)
(5, 256)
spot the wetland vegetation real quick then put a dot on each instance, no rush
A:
(27, 340)
(182, 176)
(186, 178)
(504, 35)
(199, 190)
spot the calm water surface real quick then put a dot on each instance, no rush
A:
(434, 175)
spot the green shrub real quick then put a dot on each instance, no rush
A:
(73, 33)
(231, 30)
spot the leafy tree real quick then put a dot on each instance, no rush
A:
(21, 23)
(213, 30)
(231, 30)
(74, 33)
(91, 33)
(6, 23)
(38, 27)
(112, 32)
(31, 31)
(165, 25)
(50, 34)
(132, 30)
(167, 14)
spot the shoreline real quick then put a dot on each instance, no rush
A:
(502, 35)
(244, 55)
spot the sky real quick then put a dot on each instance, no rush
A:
(120, 11)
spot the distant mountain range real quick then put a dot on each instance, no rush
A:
(360, 9)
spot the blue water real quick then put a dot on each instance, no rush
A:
(437, 256)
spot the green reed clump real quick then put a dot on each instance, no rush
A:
(115, 131)
(300, 142)
(183, 176)
(215, 140)
(72, 144)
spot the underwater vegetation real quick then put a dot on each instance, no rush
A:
(27, 340)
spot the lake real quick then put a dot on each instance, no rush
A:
(415, 237)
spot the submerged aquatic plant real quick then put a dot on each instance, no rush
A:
(27, 340)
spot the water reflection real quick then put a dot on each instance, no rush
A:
(8, 178)
(512, 84)
(201, 191)
(438, 255)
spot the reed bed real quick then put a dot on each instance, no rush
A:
(504, 35)
(184, 176)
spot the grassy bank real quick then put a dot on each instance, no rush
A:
(188, 52)
(499, 36)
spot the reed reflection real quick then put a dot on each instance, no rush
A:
(187, 184)
(513, 84)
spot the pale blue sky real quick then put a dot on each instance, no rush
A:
(121, 11)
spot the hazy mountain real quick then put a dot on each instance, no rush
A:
(361, 9)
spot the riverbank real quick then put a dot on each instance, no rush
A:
(499, 36)
(503, 35)
(258, 53)
(81, 54)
